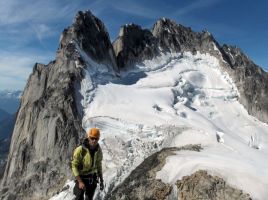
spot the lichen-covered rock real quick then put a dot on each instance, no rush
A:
(201, 185)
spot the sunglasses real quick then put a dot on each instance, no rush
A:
(93, 139)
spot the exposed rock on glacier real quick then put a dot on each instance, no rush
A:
(142, 183)
(201, 185)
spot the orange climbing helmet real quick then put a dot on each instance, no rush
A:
(94, 133)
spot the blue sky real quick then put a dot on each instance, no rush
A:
(30, 29)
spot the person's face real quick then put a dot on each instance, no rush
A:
(93, 141)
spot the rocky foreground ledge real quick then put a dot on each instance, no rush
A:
(142, 183)
(201, 185)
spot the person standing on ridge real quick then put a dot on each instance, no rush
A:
(87, 166)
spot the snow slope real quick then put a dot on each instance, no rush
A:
(175, 100)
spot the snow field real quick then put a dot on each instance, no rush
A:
(187, 91)
(174, 100)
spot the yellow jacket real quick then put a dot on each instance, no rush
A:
(82, 161)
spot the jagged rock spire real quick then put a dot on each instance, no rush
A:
(173, 37)
(133, 45)
(90, 34)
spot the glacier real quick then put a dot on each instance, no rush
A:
(171, 101)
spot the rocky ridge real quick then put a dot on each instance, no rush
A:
(135, 45)
(201, 185)
(142, 183)
(250, 80)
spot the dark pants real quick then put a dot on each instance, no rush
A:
(90, 182)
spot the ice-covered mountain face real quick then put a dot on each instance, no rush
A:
(175, 102)
(168, 87)
(169, 37)
(172, 103)
(185, 100)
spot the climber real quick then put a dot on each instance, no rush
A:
(87, 166)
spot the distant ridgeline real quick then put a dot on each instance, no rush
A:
(10, 100)
(9, 104)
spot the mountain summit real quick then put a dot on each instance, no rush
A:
(149, 89)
